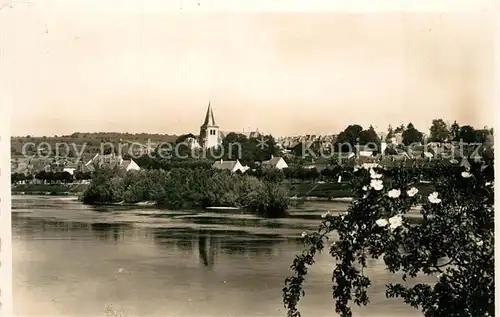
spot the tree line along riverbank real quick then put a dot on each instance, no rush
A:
(188, 188)
(181, 188)
(299, 183)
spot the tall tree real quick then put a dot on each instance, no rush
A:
(400, 129)
(390, 133)
(468, 134)
(412, 135)
(368, 136)
(482, 135)
(349, 136)
(439, 131)
(455, 131)
(236, 146)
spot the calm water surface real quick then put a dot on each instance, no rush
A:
(74, 260)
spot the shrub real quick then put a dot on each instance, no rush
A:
(105, 187)
(265, 198)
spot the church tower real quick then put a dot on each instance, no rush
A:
(209, 131)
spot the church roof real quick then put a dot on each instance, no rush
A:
(209, 117)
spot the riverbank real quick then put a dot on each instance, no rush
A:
(48, 189)
(65, 190)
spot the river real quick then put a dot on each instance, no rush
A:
(74, 260)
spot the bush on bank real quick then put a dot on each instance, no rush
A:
(187, 188)
(454, 242)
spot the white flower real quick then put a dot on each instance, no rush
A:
(376, 184)
(395, 221)
(304, 234)
(412, 192)
(488, 184)
(365, 188)
(480, 243)
(356, 168)
(453, 161)
(466, 174)
(394, 193)
(325, 214)
(375, 175)
(440, 275)
(433, 198)
(368, 166)
(381, 222)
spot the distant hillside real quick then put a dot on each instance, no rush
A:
(92, 141)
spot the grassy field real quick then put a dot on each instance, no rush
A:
(320, 190)
(335, 190)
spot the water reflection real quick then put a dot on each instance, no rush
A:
(34, 225)
(210, 244)
(109, 231)
(207, 247)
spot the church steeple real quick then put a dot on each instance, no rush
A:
(209, 117)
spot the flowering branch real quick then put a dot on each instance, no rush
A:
(457, 220)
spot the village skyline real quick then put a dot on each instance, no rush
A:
(255, 131)
(285, 74)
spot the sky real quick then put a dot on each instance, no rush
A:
(90, 66)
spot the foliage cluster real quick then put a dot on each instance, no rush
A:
(188, 188)
(51, 177)
(454, 242)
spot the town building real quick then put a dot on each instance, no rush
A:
(70, 167)
(232, 166)
(275, 162)
(209, 131)
(129, 165)
(110, 161)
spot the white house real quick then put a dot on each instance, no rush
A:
(275, 162)
(364, 151)
(428, 155)
(232, 166)
(245, 168)
(192, 143)
(383, 146)
(70, 168)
